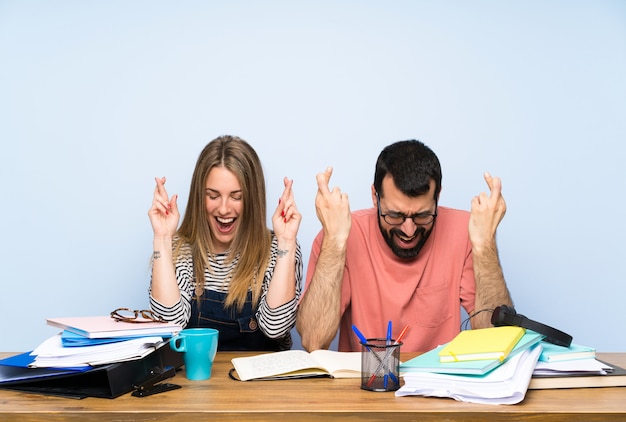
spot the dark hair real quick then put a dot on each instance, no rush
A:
(412, 165)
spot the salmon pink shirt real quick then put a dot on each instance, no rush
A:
(425, 292)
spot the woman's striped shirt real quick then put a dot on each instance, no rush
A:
(275, 323)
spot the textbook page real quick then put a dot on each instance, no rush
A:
(297, 364)
(339, 364)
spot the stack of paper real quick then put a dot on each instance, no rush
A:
(52, 354)
(577, 373)
(571, 367)
(99, 340)
(506, 384)
(489, 365)
(575, 366)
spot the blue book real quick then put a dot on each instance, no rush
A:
(553, 353)
(429, 361)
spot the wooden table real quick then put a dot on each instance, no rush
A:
(316, 399)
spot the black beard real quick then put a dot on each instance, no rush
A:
(403, 252)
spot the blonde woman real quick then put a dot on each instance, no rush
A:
(223, 268)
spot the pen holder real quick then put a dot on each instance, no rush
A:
(380, 365)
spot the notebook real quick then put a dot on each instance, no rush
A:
(554, 353)
(298, 364)
(105, 326)
(480, 344)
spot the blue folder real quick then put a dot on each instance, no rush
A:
(70, 339)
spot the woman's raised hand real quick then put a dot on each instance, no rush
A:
(286, 218)
(163, 213)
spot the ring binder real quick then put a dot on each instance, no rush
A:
(104, 381)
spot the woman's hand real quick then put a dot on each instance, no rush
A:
(286, 218)
(163, 213)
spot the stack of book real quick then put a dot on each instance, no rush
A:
(102, 327)
(98, 340)
(490, 365)
(498, 365)
(94, 357)
(575, 366)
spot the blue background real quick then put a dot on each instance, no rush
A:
(99, 97)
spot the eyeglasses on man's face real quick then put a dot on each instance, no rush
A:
(397, 218)
(130, 315)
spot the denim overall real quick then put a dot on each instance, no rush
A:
(237, 330)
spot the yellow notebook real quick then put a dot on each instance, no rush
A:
(480, 344)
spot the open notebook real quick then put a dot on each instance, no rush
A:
(298, 364)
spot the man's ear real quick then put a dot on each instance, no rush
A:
(374, 199)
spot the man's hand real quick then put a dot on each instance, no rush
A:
(332, 208)
(486, 214)
(320, 307)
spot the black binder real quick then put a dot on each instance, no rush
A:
(105, 381)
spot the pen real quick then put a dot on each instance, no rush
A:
(361, 337)
(363, 341)
(402, 333)
(386, 376)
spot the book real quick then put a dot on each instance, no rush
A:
(429, 361)
(505, 384)
(298, 364)
(615, 376)
(483, 343)
(554, 353)
(105, 326)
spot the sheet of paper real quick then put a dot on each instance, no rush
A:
(571, 367)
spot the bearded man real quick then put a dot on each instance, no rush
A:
(406, 260)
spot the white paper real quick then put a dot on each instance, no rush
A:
(51, 352)
(572, 367)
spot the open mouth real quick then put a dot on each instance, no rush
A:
(403, 239)
(225, 224)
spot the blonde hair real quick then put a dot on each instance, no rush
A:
(252, 241)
